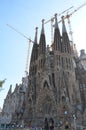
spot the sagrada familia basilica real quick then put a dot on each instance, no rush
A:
(55, 86)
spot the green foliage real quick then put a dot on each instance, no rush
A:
(2, 82)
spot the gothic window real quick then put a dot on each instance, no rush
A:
(64, 107)
(59, 60)
(80, 86)
(47, 107)
(62, 61)
(69, 62)
(32, 70)
(35, 69)
(45, 84)
(30, 101)
(51, 61)
(67, 73)
(73, 99)
(53, 79)
(50, 78)
(30, 112)
(41, 63)
(66, 60)
(38, 73)
(63, 99)
(84, 86)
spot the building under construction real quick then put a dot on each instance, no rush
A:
(56, 86)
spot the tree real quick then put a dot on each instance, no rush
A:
(2, 82)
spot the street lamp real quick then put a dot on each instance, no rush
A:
(65, 112)
(66, 120)
(74, 117)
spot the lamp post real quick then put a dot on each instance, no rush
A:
(66, 120)
(74, 117)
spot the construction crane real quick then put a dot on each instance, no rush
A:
(30, 41)
(27, 60)
(20, 33)
(58, 15)
(52, 20)
(69, 22)
(65, 17)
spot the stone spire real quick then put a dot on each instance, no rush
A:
(56, 23)
(63, 26)
(34, 55)
(57, 36)
(42, 31)
(9, 91)
(65, 39)
(35, 47)
(42, 42)
(36, 33)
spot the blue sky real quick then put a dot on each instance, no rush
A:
(25, 15)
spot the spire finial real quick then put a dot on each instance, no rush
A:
(63, 28)
(56, 23)
(55, 16)
(43, 21)
(62, 18)
(36, 35)
(42, 32)
(36, 30)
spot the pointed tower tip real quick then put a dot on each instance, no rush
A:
(35, 40)
(63, 25)
(10, 90)
(42, 31)
(36, 28)
(56, 23)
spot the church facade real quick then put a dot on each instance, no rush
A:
(56, 86)
(53, 89)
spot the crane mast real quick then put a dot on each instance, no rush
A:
(27, 60)
(69, 23)
(65, 17)
(52, 20)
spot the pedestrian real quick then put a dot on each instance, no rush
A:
(46, 126)
(51, 124)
